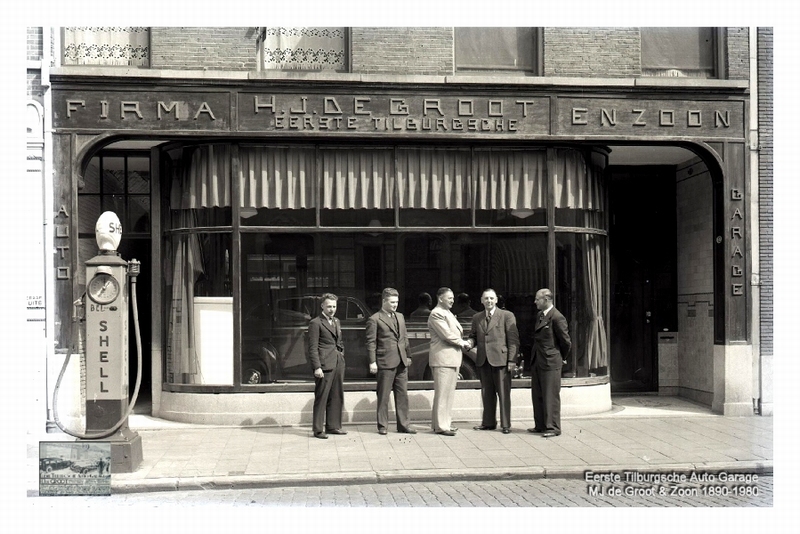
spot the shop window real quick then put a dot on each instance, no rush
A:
(408, 217)
(303, 49)
(284, 276)
(579, 192)
(511, 187)
(118, 182)
(581, 295)
(123, 46)
(680, 52)
(497, 49)
(434, 187)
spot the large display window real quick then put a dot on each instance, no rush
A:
(353, 220)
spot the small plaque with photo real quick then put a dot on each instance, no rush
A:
(74, 468)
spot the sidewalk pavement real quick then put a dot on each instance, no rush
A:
(643, 433)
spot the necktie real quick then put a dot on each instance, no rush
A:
(488, 319)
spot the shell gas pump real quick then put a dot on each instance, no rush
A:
(100, 319)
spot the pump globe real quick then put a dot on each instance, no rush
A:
(108, 231)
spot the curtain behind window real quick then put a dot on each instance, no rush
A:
(107, 46)
(277, 177)
(434, 178)
(678, 51)
(511, 180)
(285, 178)
(495, 48)
(304, 48)
(576, 185)
(358, 178)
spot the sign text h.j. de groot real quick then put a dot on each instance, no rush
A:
(389, 114)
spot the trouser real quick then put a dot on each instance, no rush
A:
(444, 393)
(393, 380)
(546, 397)
(329, 399)
(495, 386)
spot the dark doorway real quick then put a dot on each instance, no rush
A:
(643, 272)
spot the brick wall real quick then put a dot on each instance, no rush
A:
(203, 48)
(593, 52)
(402, 51)
(34, 52)
(765, 192)
(738, 56)
(34, 44)
(695, 281)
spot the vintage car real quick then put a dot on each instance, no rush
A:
(85, 466)
(275, 347)
(48, 465)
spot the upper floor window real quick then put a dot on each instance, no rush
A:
(90, 45)
(497, 49)
(303, 49)
(689, 52)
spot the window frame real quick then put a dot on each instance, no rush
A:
(537, 69)
(718, 54)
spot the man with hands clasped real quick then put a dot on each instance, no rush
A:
(495, 334)
(388, 349)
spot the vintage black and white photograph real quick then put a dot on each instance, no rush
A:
(74, 468)
(403, 267)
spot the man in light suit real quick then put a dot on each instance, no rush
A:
(326, 356)
(495, 334)
(551, 344)
(388, 349)
(444, 359)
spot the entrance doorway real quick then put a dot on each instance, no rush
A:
(643, 272)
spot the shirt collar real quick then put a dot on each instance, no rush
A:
(545, 312)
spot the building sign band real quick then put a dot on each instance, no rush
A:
(432, 114)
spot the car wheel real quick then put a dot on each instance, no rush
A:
(467, 371)
(251, 376)
(48, 469)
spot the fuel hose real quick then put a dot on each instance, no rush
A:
(110, 431)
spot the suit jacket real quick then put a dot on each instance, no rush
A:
(499, 342)
(551, 341)
(446, 335)
(387, 344)
(324, 343)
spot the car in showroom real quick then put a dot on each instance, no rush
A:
(275, 346)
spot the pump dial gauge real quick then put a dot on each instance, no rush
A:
(103, 288)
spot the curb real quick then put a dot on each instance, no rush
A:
(393, 477)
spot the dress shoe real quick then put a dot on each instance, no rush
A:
(382, 431)
(337, 431)
(506, 431)
(407, 431)
(446, 432)
(453, 429)
(483, 427)
(551, 434)
(321, 435)
(535, 431)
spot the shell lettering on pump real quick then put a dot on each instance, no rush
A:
(108, 231)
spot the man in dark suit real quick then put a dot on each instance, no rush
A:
(551, 346)
(326, 355)
(388, 349)
(495, 334)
